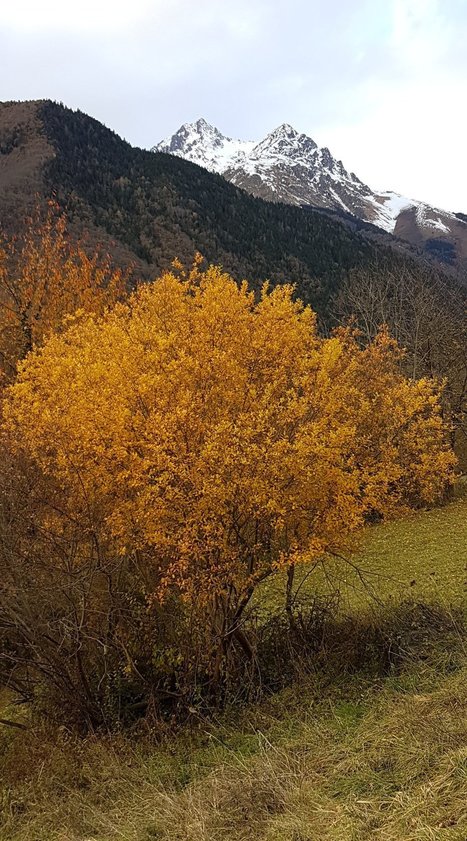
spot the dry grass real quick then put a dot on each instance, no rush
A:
(358, 761)
(336, 758)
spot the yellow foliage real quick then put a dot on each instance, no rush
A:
(43, 279)
(220, 436)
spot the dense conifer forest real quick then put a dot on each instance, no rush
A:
(161, 206)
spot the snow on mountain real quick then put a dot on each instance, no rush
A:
(387, 207)
(290, 167)
(204, 145)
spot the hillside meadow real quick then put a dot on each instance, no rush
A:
(203, 637)
(423, 555)
(351, 752)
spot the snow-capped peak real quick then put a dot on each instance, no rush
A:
(284, 143)
(290, 167)
(285, 165)
(285, 130)
(204, 144)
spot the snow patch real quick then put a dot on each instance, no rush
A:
(387, 206)
(438, 225)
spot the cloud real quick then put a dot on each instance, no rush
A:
(421, 33)
(86, 16)
(382, 82)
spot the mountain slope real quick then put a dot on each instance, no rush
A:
(154, 207)
(289, 167)
(24, 152)
(149, 208)
(145, 209)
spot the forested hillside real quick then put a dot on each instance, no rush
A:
(162, 207)
(147, 209)
(156, 207)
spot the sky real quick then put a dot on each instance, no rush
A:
(382, 83)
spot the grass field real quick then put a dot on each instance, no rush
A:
(356, 761)
(347, 757)
(423, 555)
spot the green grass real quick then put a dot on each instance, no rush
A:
(338, 757)
(423, 555)
(355, 761)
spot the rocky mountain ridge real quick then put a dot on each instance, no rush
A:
(290, 167)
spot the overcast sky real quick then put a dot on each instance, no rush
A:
(383, 83)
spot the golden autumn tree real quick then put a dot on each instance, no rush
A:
(44, 277)
(217, 438)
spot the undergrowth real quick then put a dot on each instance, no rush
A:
(360, 733)
(369, 750)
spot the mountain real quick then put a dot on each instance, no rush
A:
(290, 167)
(148, 208)
(145, 209)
